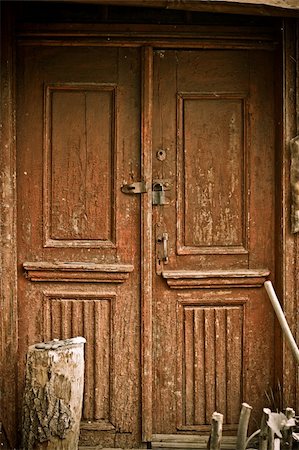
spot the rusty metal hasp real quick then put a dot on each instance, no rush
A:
(138, 187)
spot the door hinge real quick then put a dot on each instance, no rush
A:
(138, 187)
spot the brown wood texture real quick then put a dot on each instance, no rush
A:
(214, 119)
(8, 301)
(80, 232)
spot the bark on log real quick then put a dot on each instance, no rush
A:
(53, 395)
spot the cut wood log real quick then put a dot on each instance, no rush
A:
(216, 431)
(243, 426)
(53, 395)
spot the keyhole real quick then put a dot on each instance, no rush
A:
(161, 155)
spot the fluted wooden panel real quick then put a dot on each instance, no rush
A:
(65, 317)
(210, 364)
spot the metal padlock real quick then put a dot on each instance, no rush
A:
(159, 194)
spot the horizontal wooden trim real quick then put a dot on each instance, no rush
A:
(145, 31)
(77, 272)
(194, 279)
(167, 36)
(98, 425)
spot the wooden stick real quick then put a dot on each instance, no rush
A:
(282, 320)
(216, 431)
(287, 434)
(243, 426)
(265, 431)
(271, 439)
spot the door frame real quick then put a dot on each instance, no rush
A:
(287, 243)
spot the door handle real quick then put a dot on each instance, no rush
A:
(164, 241)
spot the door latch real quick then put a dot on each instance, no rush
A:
(138, 187)
(164, 241)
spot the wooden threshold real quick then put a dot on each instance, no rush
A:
(188, 442)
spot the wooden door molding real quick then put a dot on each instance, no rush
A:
(201, 279)
(288, 287)
(146, 244)
(166, 36)
(77, 272)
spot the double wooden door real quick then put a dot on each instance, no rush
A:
(80, 130)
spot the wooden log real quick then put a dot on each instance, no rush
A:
(216, 431)
(53, 395)
(243, 426)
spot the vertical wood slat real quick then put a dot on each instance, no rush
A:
(146, 246)
(76, 319)
(212, 364)
(221, 360)
(210, 373)
(67, 317)
(88, 399)
(199, 367)
(66, 308)
(101, 360)
(56, 323)
(189, 365)
(47, 321)
(234, 364)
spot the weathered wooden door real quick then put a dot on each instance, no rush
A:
(79, 118)
(78, 127)
(213, 156)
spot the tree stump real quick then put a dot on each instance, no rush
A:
(53, 395)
